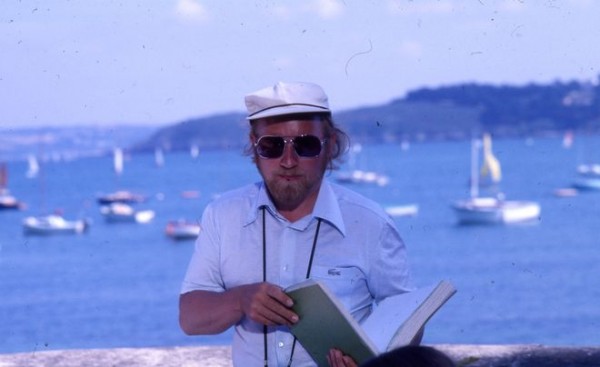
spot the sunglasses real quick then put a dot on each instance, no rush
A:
(306, 146)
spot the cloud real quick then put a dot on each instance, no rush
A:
(327, 9)
(191, 10)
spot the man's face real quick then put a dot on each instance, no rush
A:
(293, 181)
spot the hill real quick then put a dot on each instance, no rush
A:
(453, 112)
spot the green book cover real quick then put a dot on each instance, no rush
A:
(325, 323)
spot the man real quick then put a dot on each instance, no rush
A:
(264, 237)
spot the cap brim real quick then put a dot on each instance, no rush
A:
(287, 110)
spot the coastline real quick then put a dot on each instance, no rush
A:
(471, 355)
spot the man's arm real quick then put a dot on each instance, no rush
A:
(206, 312)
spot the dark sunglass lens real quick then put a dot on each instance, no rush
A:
(270, 146)
(307, 146)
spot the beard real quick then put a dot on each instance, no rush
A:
(288, 195)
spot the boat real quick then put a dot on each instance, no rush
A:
(182, 229)
(490, 172)
(120, 196)
(53, 224)
(362, 177)
(124, 213)
(407, 210)
(565, 192)
(159, 157)
(33, 167)
(491, 209)
(194, 151)
(358, 176)
(588, 177)
(7, 201)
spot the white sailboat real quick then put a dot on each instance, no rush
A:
(33, 167)
(491, 210)
(194, 151)
(159, 157)
(358, 176)
(120, 196)
(54, 223)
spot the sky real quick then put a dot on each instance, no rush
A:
(160, 62)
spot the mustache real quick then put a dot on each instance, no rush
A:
(288, 173)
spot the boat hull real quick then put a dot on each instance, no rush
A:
(495, 211)
(587, 183)
(182, 231)
(53, 225)
(123, 213)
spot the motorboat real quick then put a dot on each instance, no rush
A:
(53, 224)
(182, 229)
(122, 196)
(7, 201)
(124, 213)
(407, 210)
(588, 177)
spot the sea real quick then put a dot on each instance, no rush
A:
(117, 285)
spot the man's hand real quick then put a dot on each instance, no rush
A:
(337, 359)
(266, 304)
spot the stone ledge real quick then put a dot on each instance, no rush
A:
(220, 356)
(521, 355)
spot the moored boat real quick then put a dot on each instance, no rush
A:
(182, 229)
(53, 224)
(588, 177)
(488, 210)
(122, 196)
(120, 212)
(407, 210)
(7, 201)
(491, 209)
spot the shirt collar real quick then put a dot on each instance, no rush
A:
(326, 207)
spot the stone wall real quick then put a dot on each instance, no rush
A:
(220, 356)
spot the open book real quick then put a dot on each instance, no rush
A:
(325, 323)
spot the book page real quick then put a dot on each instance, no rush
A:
(396, 320)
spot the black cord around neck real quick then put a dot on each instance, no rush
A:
(308, 270)
(264, 261)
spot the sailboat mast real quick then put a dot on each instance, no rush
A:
(474, 168)
(3, 177)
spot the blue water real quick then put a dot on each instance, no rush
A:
(117, 285)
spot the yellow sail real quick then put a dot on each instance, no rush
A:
(491, 166)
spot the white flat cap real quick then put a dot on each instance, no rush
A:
(286, 99)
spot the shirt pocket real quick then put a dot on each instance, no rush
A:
(349, 284)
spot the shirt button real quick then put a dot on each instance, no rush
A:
(280, 344)
(285, 268)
